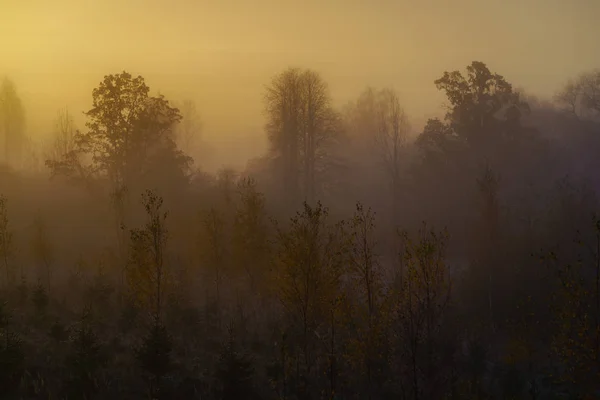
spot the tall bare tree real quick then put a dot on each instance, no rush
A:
(282, 105)
(300, 124)
(391, 137)
(377, 121)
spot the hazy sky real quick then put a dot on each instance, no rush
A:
(221, 53)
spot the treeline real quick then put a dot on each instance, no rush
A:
(246, 286)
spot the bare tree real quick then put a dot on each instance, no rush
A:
(188, 132)
(365, 271)
(62, 141)
(377, 121)
(282, 106)
(300, 124)
(391, 137)
(319, 126)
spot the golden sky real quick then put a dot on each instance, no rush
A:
(221, 52)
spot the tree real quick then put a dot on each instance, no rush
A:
(12, 119)
(481, 104)
(362, 118)
(63, 140)
(84, 362)
(483, 110)
(300, 125)
(309, 262)
(487, 233)
(129, 141)
(154, 357)
(422, 301)
(250, 235)
(391, 138)
(367, 288)
(377, 122)
(581, 96)
(235, 372)
(190, 127)
(364, 259)
(576, 302)
(6, 240)
(42, 249)
(147, 274)
(11, 354)
(282, 104)
(213, 251)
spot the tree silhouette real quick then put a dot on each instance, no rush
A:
(301, 123)
(127, 128)
(12, 122)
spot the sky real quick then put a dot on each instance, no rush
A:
(222, 53)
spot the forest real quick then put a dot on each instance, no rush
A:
(354, 260)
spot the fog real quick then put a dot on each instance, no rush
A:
(271, 200)
(221, 54)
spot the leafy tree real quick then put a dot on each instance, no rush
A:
(12, 120)
(482, 103)
(129, 134)
(437, 141)
(483, 109)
